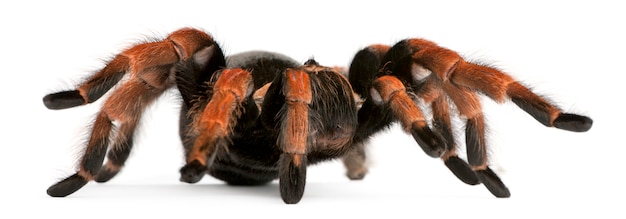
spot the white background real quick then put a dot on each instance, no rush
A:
(570, 51)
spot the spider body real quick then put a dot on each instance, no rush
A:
(285, 117)
(254, 117)
(248, 159)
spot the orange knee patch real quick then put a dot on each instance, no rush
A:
(386, 86)
(187, 41)
(297, 86)
(393, 92)
(236, 81)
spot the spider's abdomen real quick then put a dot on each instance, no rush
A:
(332, 114)
(252, 157)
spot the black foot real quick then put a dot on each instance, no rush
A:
(63, 100)
(356, 175)
(104, 175)
(292, 177)
(355, 163)
(431, 143)
(192, 172)
(67, 186)
(573, 122)
(493, 183)
(462, 170)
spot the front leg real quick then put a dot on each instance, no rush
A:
(212, 125)
(388, 90)
(293, 135)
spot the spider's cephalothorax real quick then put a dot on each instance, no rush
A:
(150, 69)
(266, 117)
(394, 79)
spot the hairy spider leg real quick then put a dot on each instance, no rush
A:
(293, 138)
(117, 108)
(390, 91)
(449, 66)
(127, 113)
(461, 79)
(387, 99)
(397, 61)
(442, 124)
(500, 86)
(91, 90)
(437, 61)
(428, 88)
(210, 130)
(469, 107)
(150, 66)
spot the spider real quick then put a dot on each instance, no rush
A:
(254, 117)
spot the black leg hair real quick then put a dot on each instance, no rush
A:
(477, 157)
(94, 88)
(442, 124)
(292, 177)
(91, 161)
(493, 183)
(118, 152)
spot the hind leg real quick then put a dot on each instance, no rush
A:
(355, 162)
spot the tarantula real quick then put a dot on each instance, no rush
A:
(251, 118)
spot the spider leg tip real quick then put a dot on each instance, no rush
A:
(63, 100)
(493, 183)
(67, 186)
(192, 172)
(573, 122)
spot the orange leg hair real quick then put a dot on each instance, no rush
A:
(211, 129)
